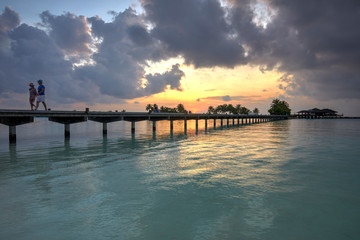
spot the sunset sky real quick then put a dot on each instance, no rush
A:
(114, 55)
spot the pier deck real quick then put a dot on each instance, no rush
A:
(12, 118)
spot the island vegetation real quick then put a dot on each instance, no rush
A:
(277, 107)
(229, 109)
(179, 109)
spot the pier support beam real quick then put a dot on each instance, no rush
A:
(12, 134)
(154, 126)
(104, 128)
(197, 125)
(67, 121)
(132, 126)
(12, 122)
(205, 124)
(185, 126)
(171, 124)
(105, 121)
(214, 123)
(67, 130)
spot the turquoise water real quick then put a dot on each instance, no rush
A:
(294, 179)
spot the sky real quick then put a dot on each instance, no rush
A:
(113, 55)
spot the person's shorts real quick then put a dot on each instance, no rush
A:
(40, 98)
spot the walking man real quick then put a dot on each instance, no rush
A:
(32, 97)
(41, 95)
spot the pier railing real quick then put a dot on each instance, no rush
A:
(13, 118)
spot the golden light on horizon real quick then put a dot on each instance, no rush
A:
(203, 87)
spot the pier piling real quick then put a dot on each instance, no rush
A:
(67, 130)
(12, 118)
(132, 126)
(154, 126)
(12, 134)
(104, 128)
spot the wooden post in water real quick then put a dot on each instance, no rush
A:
(197, 124)
(132, 126)
(221, 122)
(227, 122)
(214, 123)
(171, 124)
(104, 128)
(154, 126)
(67, 130)
(205, 124)
(12, 134)
(185, 126)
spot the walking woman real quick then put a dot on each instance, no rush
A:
(32, 95)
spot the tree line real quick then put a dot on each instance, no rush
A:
(277, 107)
(230, 109)
(179, 109)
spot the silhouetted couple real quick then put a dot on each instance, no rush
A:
(39, 95)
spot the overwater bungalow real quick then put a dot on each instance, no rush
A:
(317, 113)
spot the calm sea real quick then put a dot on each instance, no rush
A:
(294, 179)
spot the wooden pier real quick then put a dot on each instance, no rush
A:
(13, 118)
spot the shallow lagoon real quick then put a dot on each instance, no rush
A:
(295, 179)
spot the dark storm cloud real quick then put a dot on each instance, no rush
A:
(315, 44)
(196, 30)
(71, 33)
(169, 79)
(30, 55)
(123, 48)
(315, 41)
(8, 20)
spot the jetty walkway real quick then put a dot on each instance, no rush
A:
(13, 118)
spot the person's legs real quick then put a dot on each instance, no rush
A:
(37, 105)
(44, 105)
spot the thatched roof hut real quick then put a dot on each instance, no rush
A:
(318, 112)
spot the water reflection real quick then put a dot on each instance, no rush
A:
(241, 170)
(233, 183)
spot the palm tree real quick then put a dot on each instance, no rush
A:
(150, 107)
(211, 110)
(180, 108)
(238, 108)
(279, 107)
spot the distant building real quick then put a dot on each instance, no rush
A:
(317, 113)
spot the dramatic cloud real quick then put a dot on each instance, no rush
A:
(70, 33)
(85, 59)
(196, 30)
(315, 41)
(226, 98)
(80, 63)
